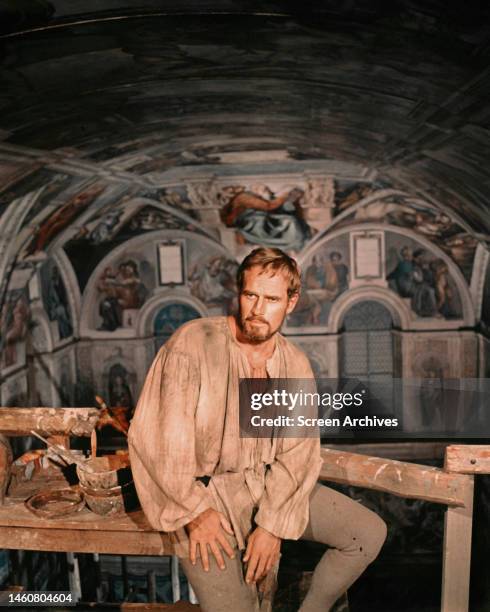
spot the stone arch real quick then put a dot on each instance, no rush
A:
(42, 336)
(90, 296)
(61, 261)
(468, 318)
(399, 310)
(150, 310)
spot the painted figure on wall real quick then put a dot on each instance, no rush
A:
(401, 278)
(261, 217)
(425, 280)
(61, 218)
(420, 217)
(213, 282)
(120, 395)
(123, 291)
(14, 325)
(432, 394)
(55, 299)
(325, 279)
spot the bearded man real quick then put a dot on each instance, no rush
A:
(219, 494)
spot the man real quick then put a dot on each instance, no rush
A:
(218, 494)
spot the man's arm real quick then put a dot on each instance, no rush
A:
(161, 444)
(284, 507)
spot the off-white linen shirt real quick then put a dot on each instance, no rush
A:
(186, 425)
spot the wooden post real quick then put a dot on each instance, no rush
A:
(456, 563)
(74, 576)
(152, 586)
(124, 573)
(174, 573)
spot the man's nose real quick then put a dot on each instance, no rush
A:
(258, 307)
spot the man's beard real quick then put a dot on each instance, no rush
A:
(254, 333)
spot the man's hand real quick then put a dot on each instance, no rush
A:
(262, 552)
(207, 530)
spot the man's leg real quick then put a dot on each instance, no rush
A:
(355, 534)
(221, 590)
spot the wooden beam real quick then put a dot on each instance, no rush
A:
(468, 458)
(48, 421)
(86, 541)
(401, 451)
(403, 479)
(456, 561)
(180, 606)
(17, 515)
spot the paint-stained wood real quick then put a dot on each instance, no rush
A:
(403, 479)
(130, 534)
(17, 515)
(48, 421)
(468, 459)
(6, 459)
(85, 541)
(456, 561)
(401, 451)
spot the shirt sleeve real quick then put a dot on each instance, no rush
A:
(289, 480)
(161, 444)
(284, 506)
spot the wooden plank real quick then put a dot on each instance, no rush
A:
(456, 563)
(86, 541)
(48, 421)
(468, 458)
(180, 606)
(403, 479)
(17, 515)
(402, 451)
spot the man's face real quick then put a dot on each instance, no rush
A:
(263, 304)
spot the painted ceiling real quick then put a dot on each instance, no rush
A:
(135, 93)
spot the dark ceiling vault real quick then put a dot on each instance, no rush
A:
(400, 87)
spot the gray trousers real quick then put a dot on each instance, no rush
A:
(354, 534)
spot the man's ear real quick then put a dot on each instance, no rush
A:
(293, 300)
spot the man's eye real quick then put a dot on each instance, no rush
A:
(273, 299)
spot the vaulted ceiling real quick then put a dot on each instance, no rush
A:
(401, 88)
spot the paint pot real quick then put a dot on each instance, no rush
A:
(113, 501)
(106, 472)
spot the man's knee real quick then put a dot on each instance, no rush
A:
(374, 536)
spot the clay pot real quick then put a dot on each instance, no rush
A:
(107, 472)
(116, 500)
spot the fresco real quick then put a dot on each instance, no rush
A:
(14, 325)
(14, 391)
(54, 184)
(34, 178)
(418, 275)
(60, 218)
(417, 216)
(127, 216)
(127, 282)
(325, 276)
(212, 280)
(120, 395)
(263, 217)
(122, 292)
(349, 193)
(170, 318)
(55, 299)
(116, 222)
